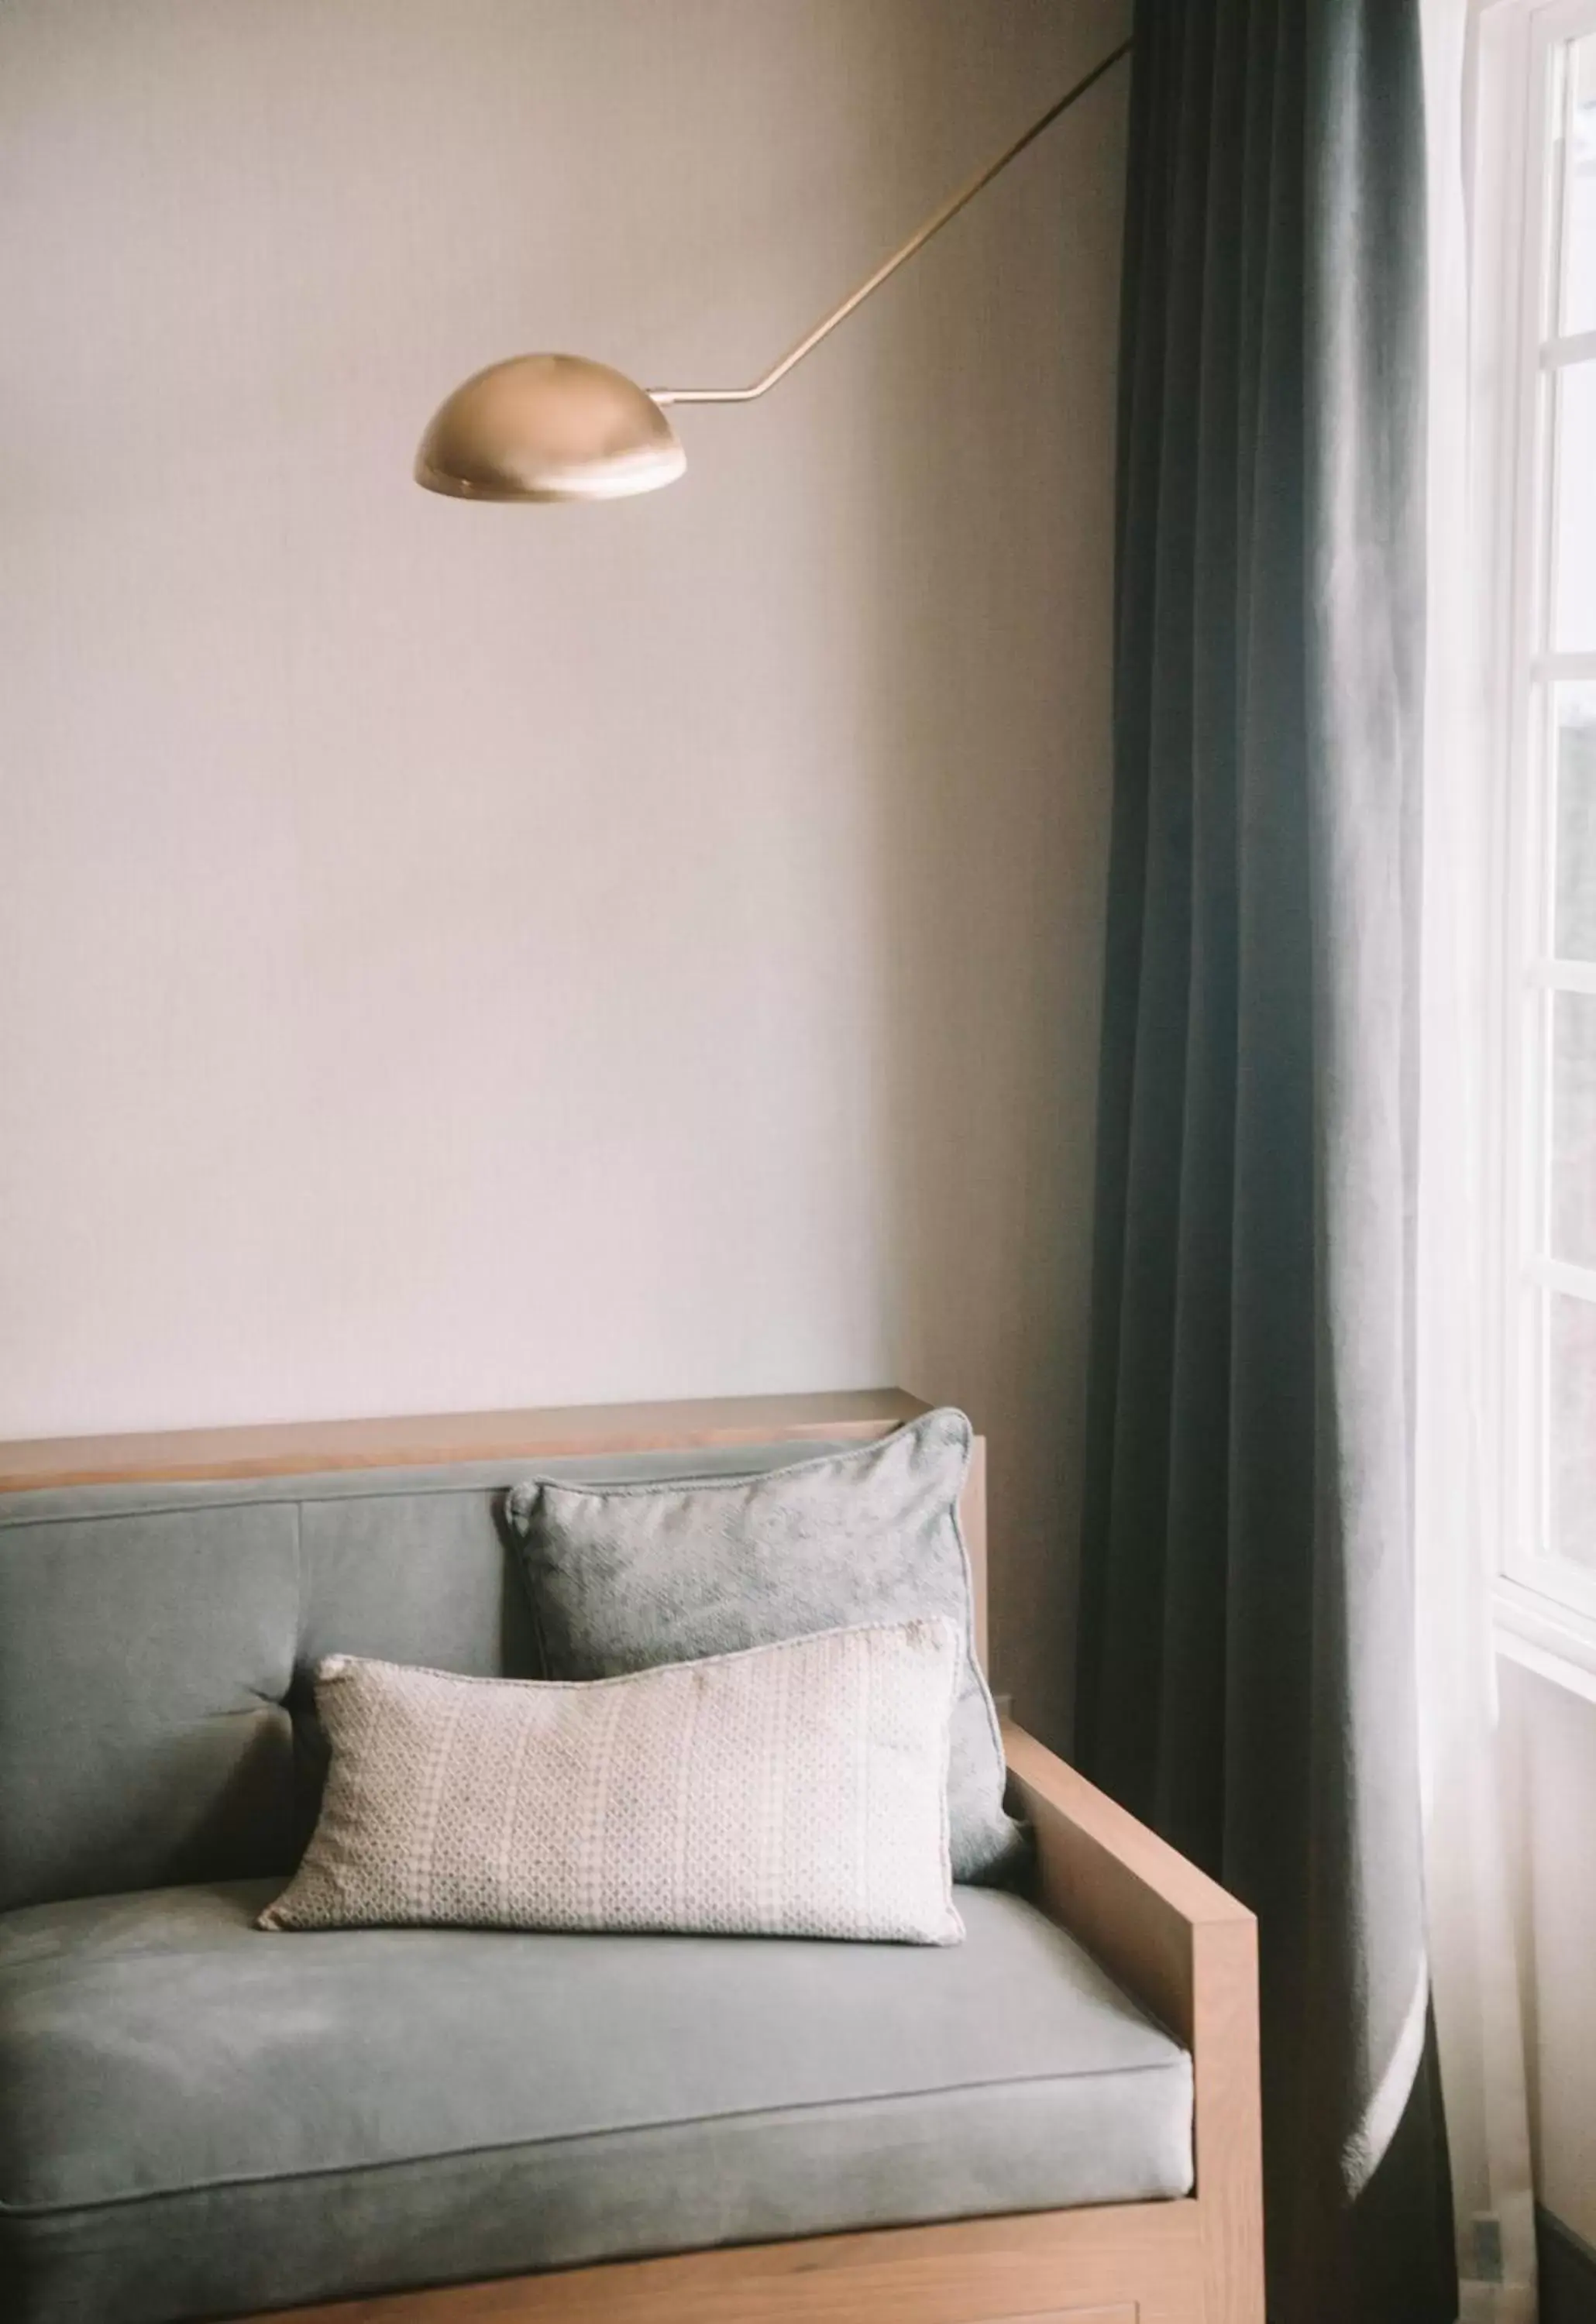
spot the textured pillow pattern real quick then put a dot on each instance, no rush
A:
(622, 1577)
(795, 1790)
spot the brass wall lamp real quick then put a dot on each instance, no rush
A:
(563, 428)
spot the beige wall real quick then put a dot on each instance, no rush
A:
(453, 957)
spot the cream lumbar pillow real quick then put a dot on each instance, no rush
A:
(791, 1790)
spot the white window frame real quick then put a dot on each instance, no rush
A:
(1545, 1608)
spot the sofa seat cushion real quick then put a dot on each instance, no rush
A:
(199, 2119)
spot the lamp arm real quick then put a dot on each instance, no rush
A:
(917, 240)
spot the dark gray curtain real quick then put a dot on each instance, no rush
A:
(1246, 1678)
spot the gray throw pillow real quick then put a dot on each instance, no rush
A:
(624, 1577)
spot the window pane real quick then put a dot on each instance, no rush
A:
(1574, 749)
(1574, 518)
(1573, 1128)
(1571, 1355)
(1577, 307)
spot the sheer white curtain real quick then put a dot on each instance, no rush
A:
(1474, 1975)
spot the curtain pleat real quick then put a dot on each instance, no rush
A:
(1246, 1648)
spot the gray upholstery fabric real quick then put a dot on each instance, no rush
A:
(624, 1577)
(156, 1642)
(144, 1660)
(198, 2119)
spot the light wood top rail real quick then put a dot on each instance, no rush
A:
(281, 1449)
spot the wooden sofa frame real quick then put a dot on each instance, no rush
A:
(1171, 1937)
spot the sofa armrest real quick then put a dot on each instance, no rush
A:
(1188, 1950)
(1134, 1902)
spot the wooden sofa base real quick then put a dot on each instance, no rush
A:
(1125, 2264)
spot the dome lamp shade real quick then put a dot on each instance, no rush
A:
(548, 428)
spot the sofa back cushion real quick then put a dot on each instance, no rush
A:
(156, 1643)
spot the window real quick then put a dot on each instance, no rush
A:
(1538, 78)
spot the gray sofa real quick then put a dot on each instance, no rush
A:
(198, 2119)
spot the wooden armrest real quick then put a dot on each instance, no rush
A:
(1183, 1947)
(1134, 1902)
